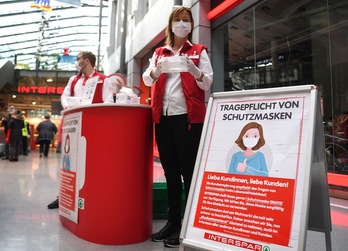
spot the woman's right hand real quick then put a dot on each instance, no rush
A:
(156, 72)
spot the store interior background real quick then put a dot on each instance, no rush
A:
(256, 44)
(277, 44)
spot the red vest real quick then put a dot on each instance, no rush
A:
(98, 95)
(194, 96)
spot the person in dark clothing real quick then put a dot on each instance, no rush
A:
(5, 123)
(46, 130)
(16, 124)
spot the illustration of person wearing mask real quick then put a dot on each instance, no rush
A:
(66, 157)
(249, 161)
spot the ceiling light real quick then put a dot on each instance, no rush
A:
(14, 96)
(49, 80)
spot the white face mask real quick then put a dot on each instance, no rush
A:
(250, 142)
(78, 67)
(181, 29)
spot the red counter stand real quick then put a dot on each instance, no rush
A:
(118, 186)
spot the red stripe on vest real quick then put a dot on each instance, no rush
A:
(98, 95)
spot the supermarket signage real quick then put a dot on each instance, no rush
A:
(70, 181)
(40, 90)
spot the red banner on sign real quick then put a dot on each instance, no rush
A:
(259, 208)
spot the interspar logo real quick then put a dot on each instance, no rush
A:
(233, 242)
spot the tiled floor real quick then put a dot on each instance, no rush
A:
(27, 186)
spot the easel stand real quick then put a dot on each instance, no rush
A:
(234, 208)
(320, 220)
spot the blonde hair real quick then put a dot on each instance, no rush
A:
(169, 33)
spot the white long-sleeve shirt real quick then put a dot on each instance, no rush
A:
(174, 99)
(80, 89)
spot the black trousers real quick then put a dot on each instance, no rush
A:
(177, 143)
(45, 146)
(7, 150)
(25, 145)
(14, 149)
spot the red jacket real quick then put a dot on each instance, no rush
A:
(98, 95)
(194, 96)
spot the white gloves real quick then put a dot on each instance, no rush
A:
(157, 70)
(193, 69)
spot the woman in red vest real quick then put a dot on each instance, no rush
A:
(180, 72)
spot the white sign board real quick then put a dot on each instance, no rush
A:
(73, 168)
(251, 185)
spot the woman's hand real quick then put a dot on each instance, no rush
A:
(194, 70)
(156, 72)
(242, 166)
